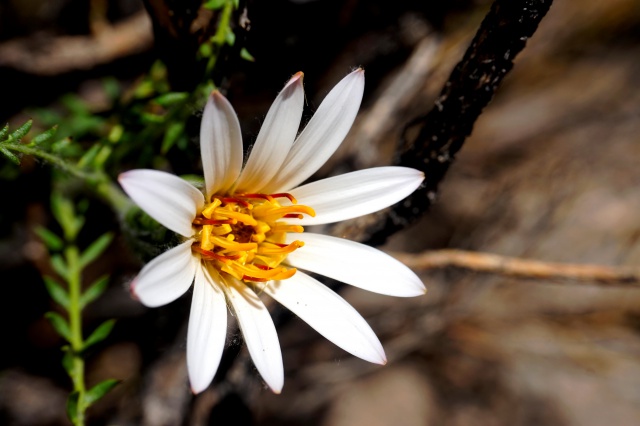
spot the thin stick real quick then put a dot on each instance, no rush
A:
(521, 268)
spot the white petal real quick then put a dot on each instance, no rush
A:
(322, 135)
(168, 199)
(166, 277)
(329, 314)
(220, 144)
(354, 263)
(275, 138)
(355, 194)
(207, 330)
(259, 332)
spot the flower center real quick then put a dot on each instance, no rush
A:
(243, 236)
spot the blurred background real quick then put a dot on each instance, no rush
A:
(550, 173)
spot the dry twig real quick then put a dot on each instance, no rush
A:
(521, 268)
(57, 55)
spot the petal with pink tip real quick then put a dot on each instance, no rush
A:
(322, 135)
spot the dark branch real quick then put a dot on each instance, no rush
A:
(471, 86)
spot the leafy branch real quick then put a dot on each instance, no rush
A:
(68, 261)
(89, 167)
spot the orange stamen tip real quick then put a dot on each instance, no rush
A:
(258, 280)
(211, 255)
(285, 195)
(288, 273)
(263, 267)
(234, 200)
(297, 76)
(280, 248)
(257, 196)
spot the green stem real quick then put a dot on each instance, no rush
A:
(50, 158)
(98, 181)
(220, 36)
(75, 323)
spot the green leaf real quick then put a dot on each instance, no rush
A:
(89, 156)
(75, 104)
(115, 134)
(174, 131)
(67, 361)
(20, 132)
(95, 249)
(56, 292)
(59, 324)
(64, 212)
(205, 50)
(51, 240)
(244, 54)
(62, 146)
(60, 266)
(72, 406)
(44, 136)
(94, 291)
(214, 4)
(4, 131)
(171, 98)
(230, 38)
(78, 223)
(99, 390)
(144, 89)
(147, 118)
(99, 334)
(102, 157)
(10, 156)
(60, 207)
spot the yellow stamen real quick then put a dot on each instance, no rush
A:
(278, 213)
(287, 228)
(208, 211)
(240, 217)
(277, 249)
(241, 235)
(229, 244)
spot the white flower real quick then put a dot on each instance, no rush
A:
(245, 236)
